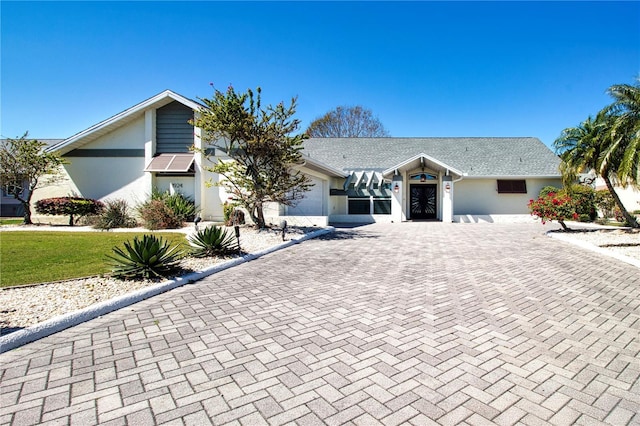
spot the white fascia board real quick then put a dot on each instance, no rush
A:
(331, 171)
(418, 157)
(142, 106)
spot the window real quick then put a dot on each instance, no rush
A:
(382, 206)
(359, 206)
(423, 177)
(369, 204)
(512, 186)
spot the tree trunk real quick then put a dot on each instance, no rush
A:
(26, 206)
(258, 216)
(27, 213)
(631, 220)
(564, 227)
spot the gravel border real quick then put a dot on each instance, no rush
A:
(594, 238)
(61, 322)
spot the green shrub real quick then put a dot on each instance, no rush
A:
(183, 207)
(547, 189)
(584, 198)
(212, 241)
(71, 206)
(583, 217)
(156, 214)
(149, 257)
(605, 203)
(115, 215)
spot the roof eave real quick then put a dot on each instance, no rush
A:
(323, 168)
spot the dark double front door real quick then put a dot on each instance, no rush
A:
(422, 201)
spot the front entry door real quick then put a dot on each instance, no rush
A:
(423, 201)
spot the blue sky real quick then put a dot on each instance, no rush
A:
(423, 68)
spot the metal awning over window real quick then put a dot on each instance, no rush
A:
(171, 163)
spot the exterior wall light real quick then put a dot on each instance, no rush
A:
(396, 188)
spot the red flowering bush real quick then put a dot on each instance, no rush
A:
(554, 207)
(69, 206)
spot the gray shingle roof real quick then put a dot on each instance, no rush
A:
(474, 156)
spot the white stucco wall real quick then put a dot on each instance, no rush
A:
(481, 197)
(104, 178)
(130, 136)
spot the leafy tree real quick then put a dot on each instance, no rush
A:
(259, 142)
(23, 167)
(347, 122)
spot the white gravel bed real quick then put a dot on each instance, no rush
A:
(625, 242)
(25, 306)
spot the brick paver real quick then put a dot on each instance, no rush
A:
(413, 323)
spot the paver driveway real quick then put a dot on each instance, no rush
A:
(415, 323)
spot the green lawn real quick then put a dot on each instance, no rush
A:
(11, 220)
(28, 257)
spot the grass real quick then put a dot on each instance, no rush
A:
(36, 257)
(11, 221)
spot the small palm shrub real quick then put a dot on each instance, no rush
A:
(156, 214)
(115, 215)
(148, 257)
(212, 241)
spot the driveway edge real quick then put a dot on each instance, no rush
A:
(592, 247)
(61, 322)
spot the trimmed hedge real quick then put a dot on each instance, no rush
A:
(69, 206)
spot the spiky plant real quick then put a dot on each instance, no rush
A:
(148, 257)
(212, 241)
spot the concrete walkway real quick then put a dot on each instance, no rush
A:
(413, 323)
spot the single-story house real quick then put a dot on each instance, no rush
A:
(355, 180)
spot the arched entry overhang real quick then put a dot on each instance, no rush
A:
(422, 188)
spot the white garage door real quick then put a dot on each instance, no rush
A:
(311, 204)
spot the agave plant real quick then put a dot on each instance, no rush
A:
(149, 257)
(212, 241)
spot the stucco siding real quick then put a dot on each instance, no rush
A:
(131, 136)
(481, 197)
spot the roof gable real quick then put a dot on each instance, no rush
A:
(120, 119)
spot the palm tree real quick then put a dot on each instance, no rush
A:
(589, 146)
(624, 151)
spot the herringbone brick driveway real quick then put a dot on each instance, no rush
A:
(413, 323)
